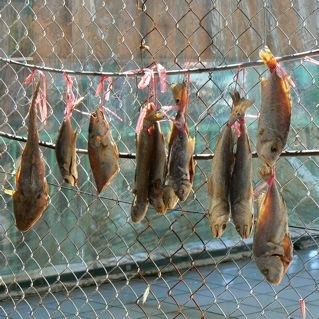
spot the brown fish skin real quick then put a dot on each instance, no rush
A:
(157, 171)
(241, 186)
(65, 151)
(275, 113)
(219, 182)
(31, 196)
(103, 152)
(272, 246)
(144, 152)
(181, 164)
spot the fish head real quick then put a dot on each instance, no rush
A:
(244, 223)
(271, 267)
(169, 197)
(270, 151)
(28, 209)
(183, 190)
(219, 225)
(139, 210)
(98, 123)
(158, 204)
(240, 106)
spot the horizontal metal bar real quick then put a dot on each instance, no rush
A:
(290, 153)
(248, 64)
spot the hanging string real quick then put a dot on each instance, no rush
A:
(289, 57)
(41, 100)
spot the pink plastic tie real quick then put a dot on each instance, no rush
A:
(302, 305)
(140, 120)
(41, 100)
(146, 78)
(69, 96)
(162, 77)
(100, 87)
(114, 114)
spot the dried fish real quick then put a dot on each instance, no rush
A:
(144, 153)
(219, 182)
(157, 170)
(272, 245)
(241, 187)
(65, 151)
(103, 152)
(31, 196)
(275, 112)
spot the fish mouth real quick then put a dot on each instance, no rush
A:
(244, 230)
(218, 229)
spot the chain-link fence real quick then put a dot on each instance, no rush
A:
(169, 266)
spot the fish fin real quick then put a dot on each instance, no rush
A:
(240, 106)
(7, 191)
(288, 248)
(75, 134)
(115, 150)
(192, 162)
(235, 97)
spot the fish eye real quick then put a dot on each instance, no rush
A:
(265, 272)
(177, 100)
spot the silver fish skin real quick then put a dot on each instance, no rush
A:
(65, 151)
(272, 245)
(219, 182)
(31, 195)
(241, 186)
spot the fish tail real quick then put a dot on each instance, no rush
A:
(32, 129)
(268, 58)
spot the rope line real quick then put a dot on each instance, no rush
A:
(247, 64)
(292, 153)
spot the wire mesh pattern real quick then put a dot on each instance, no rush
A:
(168, 266)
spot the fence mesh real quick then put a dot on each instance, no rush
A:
(85, 258)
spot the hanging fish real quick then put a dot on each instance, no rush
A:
(157, 170)
(241, 187)
(275, 112)
(144, 152)
(219, 182)
(272, 245)
(31, 196)
(103, 152)
(181, 165)
(65, 151)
